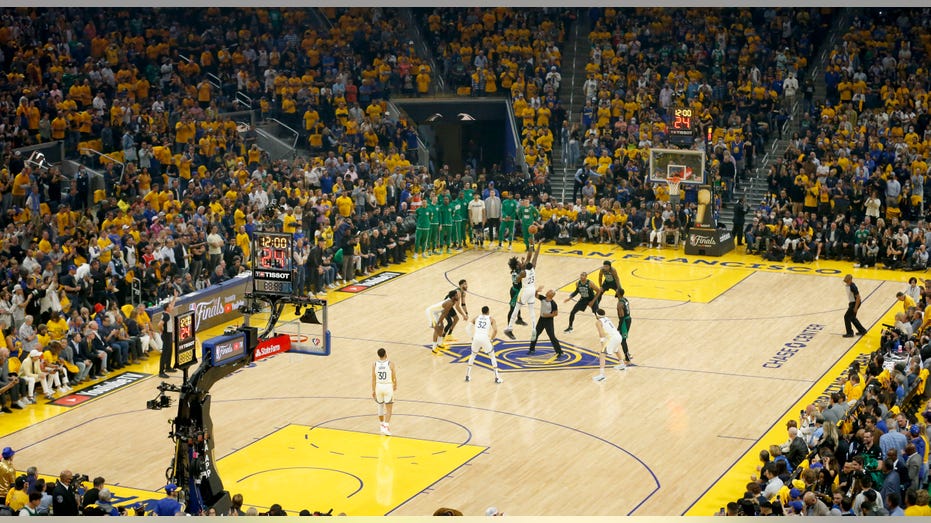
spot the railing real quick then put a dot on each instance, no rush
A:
(52, 152)
(215, 81)
(296, 134)
(423, 152)
(322, 18)
(518, 147)
(271, 144)
(244, 99)
(423, 50)
(85, 150)
(245, 128)
(95, 179)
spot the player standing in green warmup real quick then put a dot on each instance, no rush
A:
(527, 214)
(465, 198)
(422, 235)
(446, 223)
(434, 209)
(455, 233)
(508, 215)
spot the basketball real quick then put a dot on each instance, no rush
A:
(533, 229)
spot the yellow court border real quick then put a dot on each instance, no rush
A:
(360, 473)
(670, 274)
(733, 482)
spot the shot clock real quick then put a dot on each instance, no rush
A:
(681, 126)
(185, 340)
(272, 263)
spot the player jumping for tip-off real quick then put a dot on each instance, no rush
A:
(527, 279)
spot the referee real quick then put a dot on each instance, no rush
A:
(548, 311)
(853, 305)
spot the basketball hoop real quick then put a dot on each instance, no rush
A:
(673, 184)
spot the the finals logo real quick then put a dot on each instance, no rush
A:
(512, 356)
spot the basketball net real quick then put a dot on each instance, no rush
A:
(673, 184)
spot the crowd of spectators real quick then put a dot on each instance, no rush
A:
(863, 450)
(851, 186)
(76, 495)
(738, 71)
(851, 183)
(511, 52)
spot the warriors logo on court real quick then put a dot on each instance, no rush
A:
(512, 356)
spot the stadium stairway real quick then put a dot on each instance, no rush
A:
(574, 58)
(756, 187)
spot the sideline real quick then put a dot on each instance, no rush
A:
(731, 484)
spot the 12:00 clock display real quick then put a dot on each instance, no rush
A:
(682, 122)
(272, 263)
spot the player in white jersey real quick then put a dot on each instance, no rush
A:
(528, 292)
(477, 219)
(436, 310)
(433, 313)
(611, 341)
(484, 330)
(453, 317)
(450, 303)
(384, 383)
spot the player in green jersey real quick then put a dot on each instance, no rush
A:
(422, 235)
(527, 214)
(508, 217)
(446, 223)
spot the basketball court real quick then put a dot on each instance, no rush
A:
(724, 350)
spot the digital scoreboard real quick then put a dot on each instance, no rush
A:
(681, 127)
(272, 263)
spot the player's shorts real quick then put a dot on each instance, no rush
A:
(433, 313)
(384, 393)
(613, 344)
(481, 344)
(609, 285)
(528, 296)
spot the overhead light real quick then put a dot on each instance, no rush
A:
(466, 117)
(434, 117)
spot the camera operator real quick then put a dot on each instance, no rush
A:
(65, 496)
(903, 325)
(892, 339)
(91, 496)
(563, 233)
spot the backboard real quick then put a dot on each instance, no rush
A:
(687, 164)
